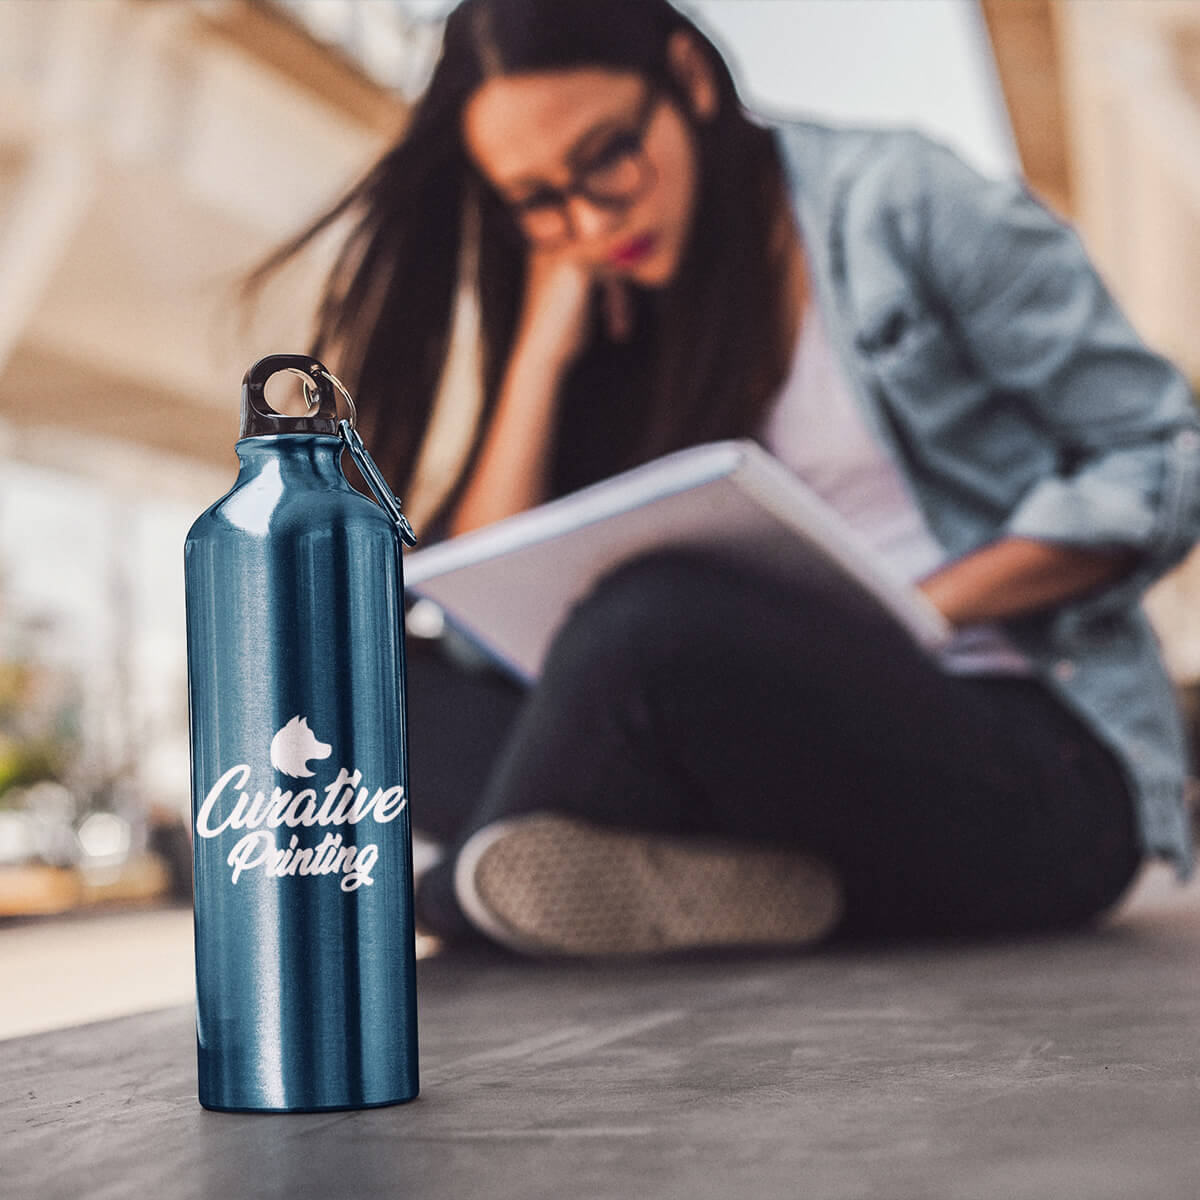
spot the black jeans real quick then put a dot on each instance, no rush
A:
(688, 695)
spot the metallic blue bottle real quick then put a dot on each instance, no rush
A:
(305, 971)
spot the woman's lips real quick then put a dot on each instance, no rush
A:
(634, 250)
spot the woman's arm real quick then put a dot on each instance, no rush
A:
(510, 474)
(1015, 575)
(1037, 321)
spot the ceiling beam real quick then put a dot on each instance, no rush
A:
(1025, 42)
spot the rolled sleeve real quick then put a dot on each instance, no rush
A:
(1035, 318)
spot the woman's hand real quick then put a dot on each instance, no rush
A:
(554, 320)
(1015, 575)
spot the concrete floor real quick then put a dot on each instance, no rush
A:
(1043, 1067)
(64, 970)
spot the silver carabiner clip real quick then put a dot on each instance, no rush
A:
(363, 460)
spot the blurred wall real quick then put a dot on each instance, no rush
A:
(1131, 88)
(927, 64)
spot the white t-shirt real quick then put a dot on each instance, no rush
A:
(815, 428)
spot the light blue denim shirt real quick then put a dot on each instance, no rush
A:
(1017, 400)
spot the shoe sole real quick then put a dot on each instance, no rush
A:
(546, 884)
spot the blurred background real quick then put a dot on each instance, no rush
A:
(152, 150)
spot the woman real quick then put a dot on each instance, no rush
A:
(713, 757)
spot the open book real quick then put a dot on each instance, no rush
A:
(509, 586)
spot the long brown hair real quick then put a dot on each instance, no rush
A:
(707, 351)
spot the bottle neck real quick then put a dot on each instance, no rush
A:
(313, 457)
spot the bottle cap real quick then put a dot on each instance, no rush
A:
(260, 419)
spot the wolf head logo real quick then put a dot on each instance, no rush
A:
(294, 745)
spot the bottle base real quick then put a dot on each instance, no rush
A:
(305, 1108)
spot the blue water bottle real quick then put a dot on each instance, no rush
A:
(305, 964)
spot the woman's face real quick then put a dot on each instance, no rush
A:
(595, 163)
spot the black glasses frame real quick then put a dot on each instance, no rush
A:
(557, 200)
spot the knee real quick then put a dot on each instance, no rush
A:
(669, 573)
(643, 610)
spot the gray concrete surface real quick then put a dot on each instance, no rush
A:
(1048, 1067)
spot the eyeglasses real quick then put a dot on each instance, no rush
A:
(612, 177)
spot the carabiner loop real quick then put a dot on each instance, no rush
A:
(341, 387)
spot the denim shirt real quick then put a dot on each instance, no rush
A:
(1016, 399)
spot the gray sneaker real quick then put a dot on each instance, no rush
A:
(546, 884)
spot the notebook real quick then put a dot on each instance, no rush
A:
(509, 586)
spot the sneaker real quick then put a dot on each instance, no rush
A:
(549, 884)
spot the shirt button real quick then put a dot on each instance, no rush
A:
(1064, 670)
